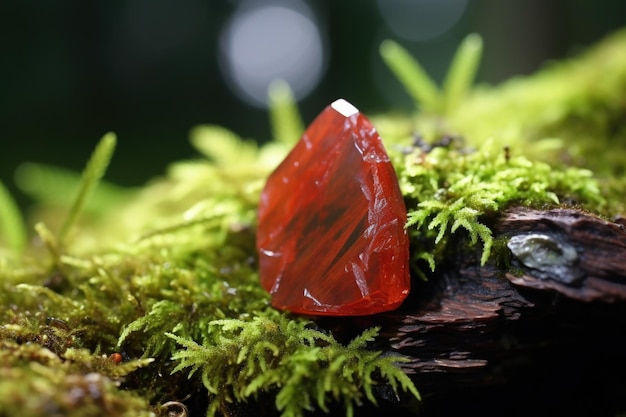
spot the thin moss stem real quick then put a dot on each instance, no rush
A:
(12, 229)
(412, 76)
(287, 126)
(462, 70)
(94, 171)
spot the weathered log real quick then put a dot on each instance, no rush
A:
(553, 300)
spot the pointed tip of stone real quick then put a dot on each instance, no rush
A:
(344, 108)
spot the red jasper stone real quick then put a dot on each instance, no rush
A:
(331, 237)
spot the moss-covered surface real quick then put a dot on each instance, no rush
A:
(131, 302)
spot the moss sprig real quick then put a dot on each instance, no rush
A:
(306, 368)
(414, 78)
(287, 123)
(449, 189)
(52, 186)
(427, 95)
(462, 71)
(12, 227)
(95, 169)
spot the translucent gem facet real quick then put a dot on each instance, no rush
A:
(331, 237)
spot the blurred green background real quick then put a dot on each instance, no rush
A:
(150, 70)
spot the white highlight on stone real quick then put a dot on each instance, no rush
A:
(344, 108)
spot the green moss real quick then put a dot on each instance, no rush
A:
(572, 111)
(577, 104)
(180, 272)
(449, 189)
(166, 274)
(35, 381)
(11, 222)
(238, 359)
(506, 146)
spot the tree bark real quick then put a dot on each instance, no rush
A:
(551, 307)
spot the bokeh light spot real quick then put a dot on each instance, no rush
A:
(265, 41)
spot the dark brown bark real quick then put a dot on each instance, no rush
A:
(550, 306)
